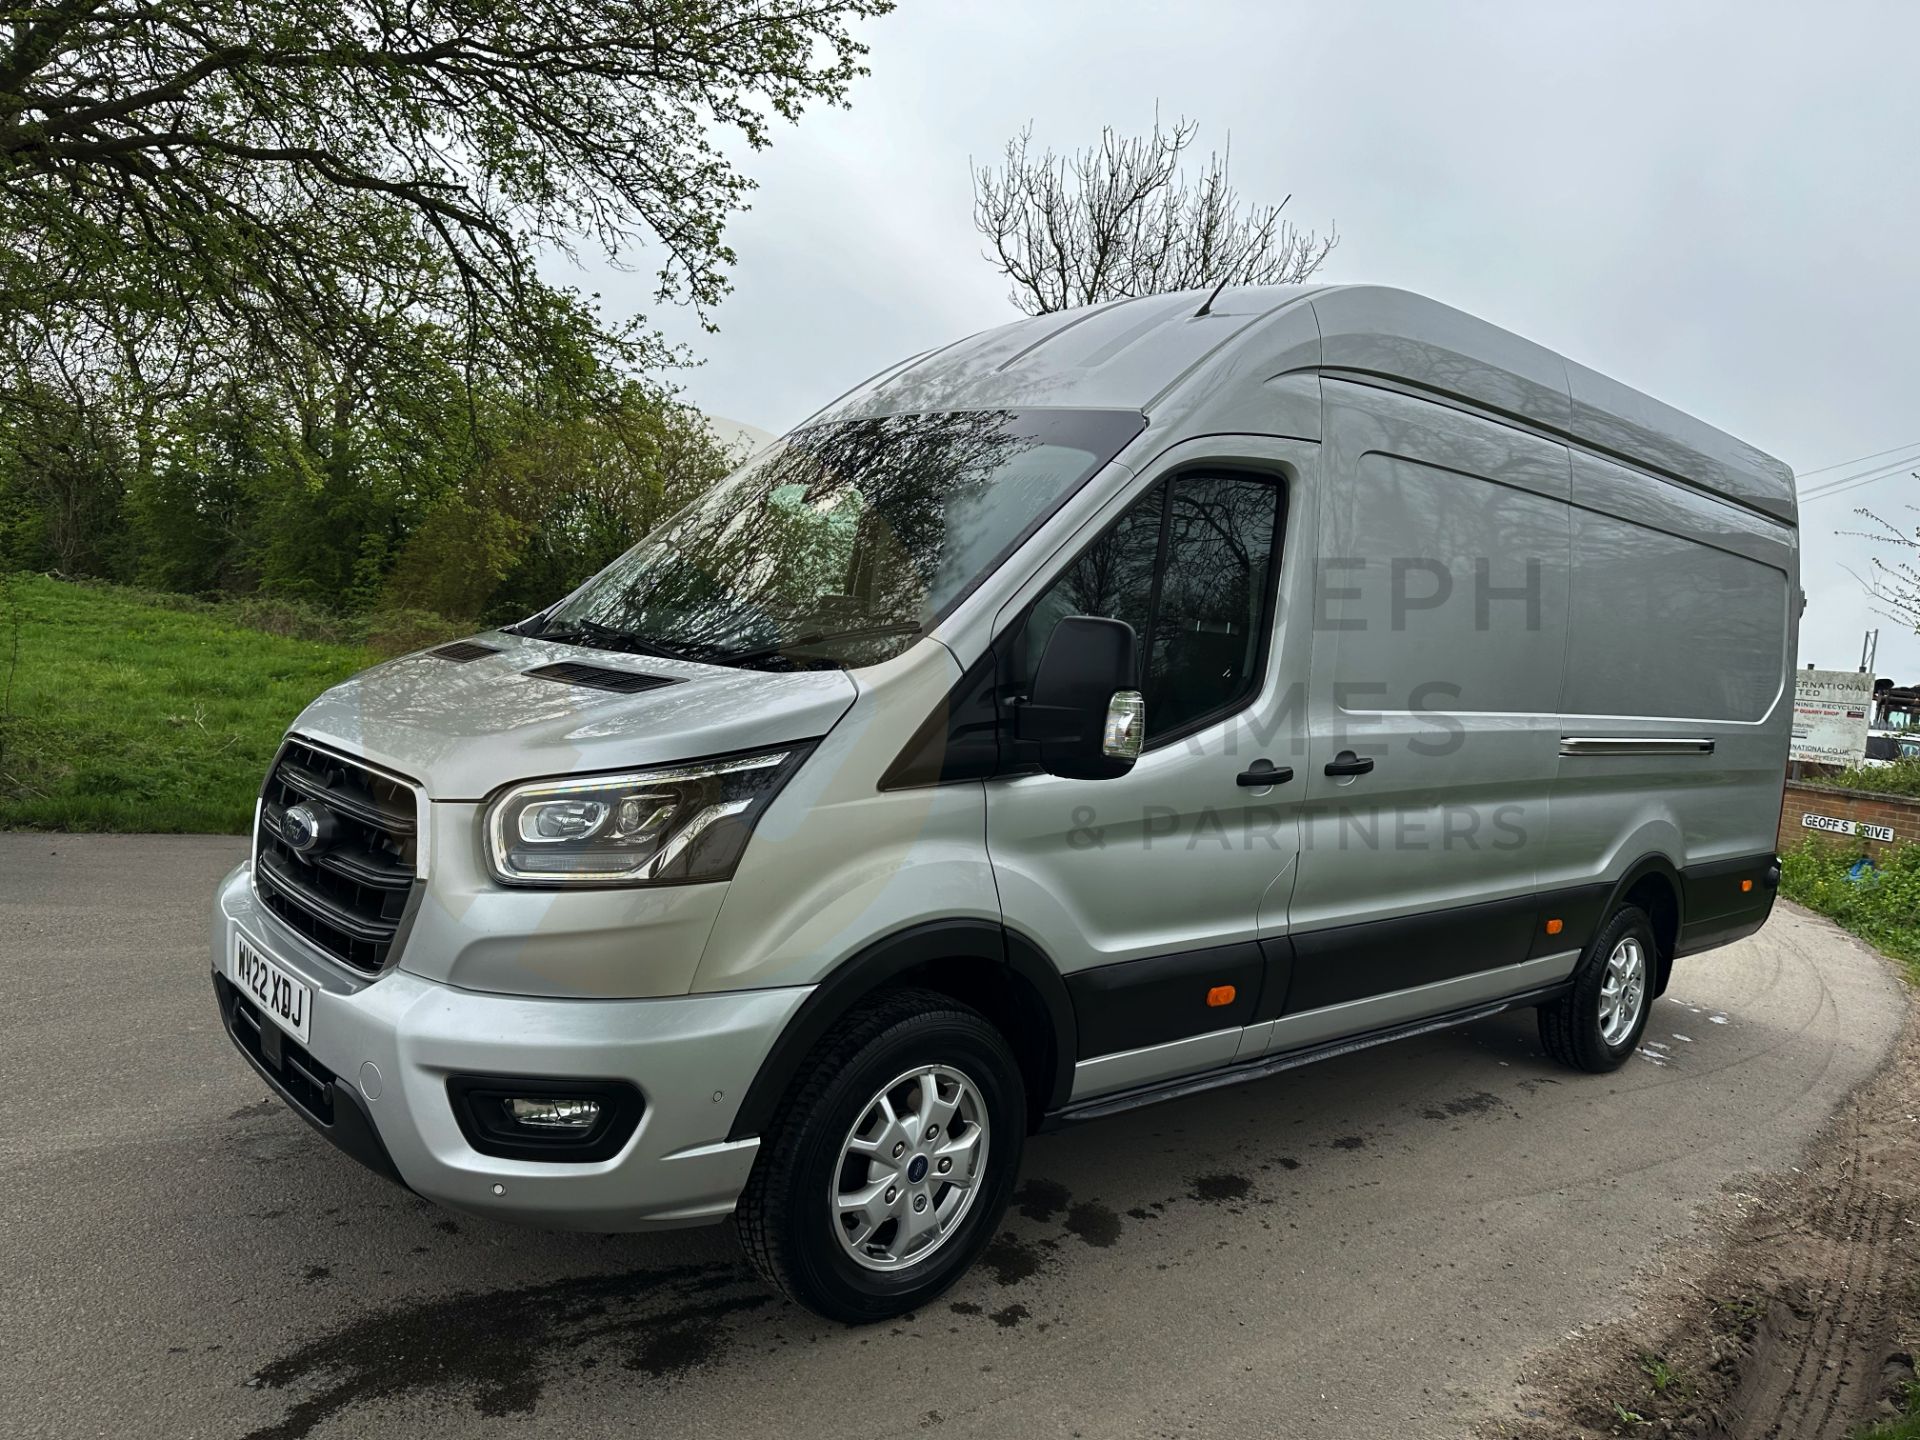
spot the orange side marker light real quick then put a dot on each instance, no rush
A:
(1554, 927)
(1221, 995)
(1745, 885)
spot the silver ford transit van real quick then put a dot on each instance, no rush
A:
(1116, 704)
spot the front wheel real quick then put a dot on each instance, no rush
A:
(888, 1167)
(1595, 1026)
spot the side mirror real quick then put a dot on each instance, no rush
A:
(1086, 712)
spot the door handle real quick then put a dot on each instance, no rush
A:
(1348, 763)
(1262, 773)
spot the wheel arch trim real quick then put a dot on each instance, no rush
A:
(1646, 865)
(888, 959)
(1660, 866)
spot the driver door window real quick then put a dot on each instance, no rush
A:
(1191, 567)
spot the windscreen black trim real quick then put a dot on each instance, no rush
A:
(1123, 428)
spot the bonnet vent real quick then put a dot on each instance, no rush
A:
(462, 651)
(597, 677)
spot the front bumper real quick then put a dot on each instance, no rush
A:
(386, 1048)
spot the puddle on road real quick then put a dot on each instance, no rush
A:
(1219, 1189)
(1479, 1102)
(1094, 1223)
(499, 1350)
(1041, 1200)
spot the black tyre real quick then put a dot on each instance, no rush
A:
(889, 1164)
(1596, 1026)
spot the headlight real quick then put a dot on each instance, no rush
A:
(644, 827)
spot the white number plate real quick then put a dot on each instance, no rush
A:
(284, 1000)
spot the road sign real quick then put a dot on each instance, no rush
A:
(1830, 712)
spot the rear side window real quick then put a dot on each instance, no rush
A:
(1191, 567)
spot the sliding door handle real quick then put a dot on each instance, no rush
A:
(1262, 773)
(1348, 763)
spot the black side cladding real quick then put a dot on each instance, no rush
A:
(1725, 900)
(1162, 998)
(1356, 962)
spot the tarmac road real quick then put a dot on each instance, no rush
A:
(1367, 1247)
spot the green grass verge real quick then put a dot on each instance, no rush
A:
(125, 713)
(1906, 1427)
(1882, 907)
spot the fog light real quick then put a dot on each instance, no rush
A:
(561, 1121)
(569, 1116)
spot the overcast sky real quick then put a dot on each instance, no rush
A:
(1719, 205)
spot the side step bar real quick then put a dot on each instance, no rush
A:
(1102, 1106)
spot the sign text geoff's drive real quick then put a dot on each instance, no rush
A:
(1834, 825)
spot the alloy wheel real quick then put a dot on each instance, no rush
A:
(1623, 991)
(910, 1168)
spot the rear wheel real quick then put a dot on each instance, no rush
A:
(1597, 1024)
(889, 1165)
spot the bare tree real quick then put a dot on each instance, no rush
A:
(1122, 218)
(1893, 585)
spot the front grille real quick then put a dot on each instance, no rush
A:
(348, 892)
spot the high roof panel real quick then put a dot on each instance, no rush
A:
(1407, 338)
(1393, 334)
(1119, 355)
(1156, 352)
(1617, 418)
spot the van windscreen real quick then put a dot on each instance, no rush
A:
(845, 541)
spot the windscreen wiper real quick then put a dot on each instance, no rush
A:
(817, 637)
(608, 637)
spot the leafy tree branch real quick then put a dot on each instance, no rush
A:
(240, 171)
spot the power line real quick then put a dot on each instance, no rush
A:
(1842, 464)
(1831, 493)
(1840, 482)
(1857, 482)
(1860, 477)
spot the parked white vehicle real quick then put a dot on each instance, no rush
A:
(1886, 747)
